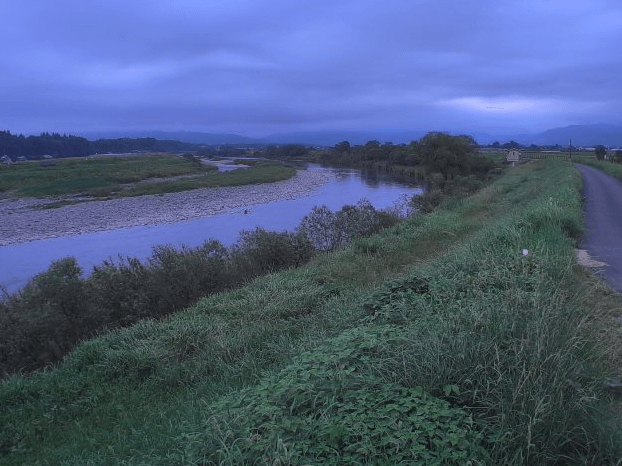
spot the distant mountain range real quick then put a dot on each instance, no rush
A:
(184, 136)
(581, 135)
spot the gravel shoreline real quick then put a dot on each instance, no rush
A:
(23, 219)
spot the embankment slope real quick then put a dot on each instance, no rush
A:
(434, 342)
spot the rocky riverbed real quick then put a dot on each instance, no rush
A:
(28, 220)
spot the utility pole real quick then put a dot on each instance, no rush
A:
(571, 148)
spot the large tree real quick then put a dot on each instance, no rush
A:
(446, 154)
(600, 151)
(343, 147)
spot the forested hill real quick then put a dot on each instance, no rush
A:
(54, 144)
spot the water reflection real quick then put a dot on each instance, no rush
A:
(370, 180)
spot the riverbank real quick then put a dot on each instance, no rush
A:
(31, 219)
(435, 341)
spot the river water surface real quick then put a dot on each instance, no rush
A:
(20, 262)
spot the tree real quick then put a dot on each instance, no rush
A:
(342, 147)
(372, 151)
(511, 145)
(372, 144)
(446, 154)
(600, 151)
(288, 150)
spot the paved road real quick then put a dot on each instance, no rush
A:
(603, 222)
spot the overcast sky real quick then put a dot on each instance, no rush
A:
(256, 67)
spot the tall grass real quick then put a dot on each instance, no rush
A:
(434, 342)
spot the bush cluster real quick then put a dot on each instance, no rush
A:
(327, 230)
(58, 308)
(435, 153)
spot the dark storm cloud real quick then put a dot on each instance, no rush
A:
(255, 67)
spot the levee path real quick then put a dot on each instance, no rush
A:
(603, 222)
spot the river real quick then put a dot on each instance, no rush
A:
(21, 261)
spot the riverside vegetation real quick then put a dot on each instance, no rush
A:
(58, 308)
(114, 177)
(435, 341)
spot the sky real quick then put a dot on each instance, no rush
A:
(258, 67)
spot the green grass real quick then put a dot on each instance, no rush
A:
(121, 176)
(614, 169)
(265, 172)
(69, 176)
(497, 156)
(435, 341)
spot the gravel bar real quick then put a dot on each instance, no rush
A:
(24, 220)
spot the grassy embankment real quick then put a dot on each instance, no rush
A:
(110, 177)
(614, 169)
(434, 342)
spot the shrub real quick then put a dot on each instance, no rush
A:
(318, 227)
(119, 288)
(180, 277)
(60, 288)
(260, 251)
(46, 319)
(428, 202)
(327, 230)
(58, 308)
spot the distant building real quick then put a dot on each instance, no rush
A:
(21, 158)
(513, 155)
(6, 159)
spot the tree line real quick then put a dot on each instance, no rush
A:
(58, 146)
(436, 153)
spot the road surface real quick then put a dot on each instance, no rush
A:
(603, 222)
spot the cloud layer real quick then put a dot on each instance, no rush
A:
(256, 67)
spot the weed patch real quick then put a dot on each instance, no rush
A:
(333, 406)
